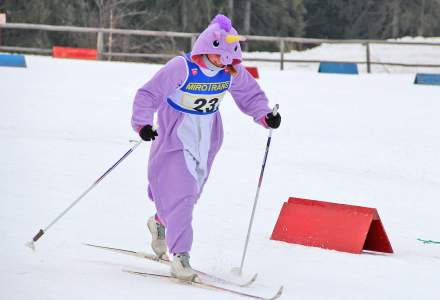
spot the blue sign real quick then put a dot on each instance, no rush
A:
(338, 68)
(12, 60)
(431, 79)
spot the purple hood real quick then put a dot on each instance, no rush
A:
(219, 38)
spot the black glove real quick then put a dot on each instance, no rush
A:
(147, 133)
(273, 121)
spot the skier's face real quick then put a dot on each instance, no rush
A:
(216, 60)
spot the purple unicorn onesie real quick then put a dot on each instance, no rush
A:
(186, 94)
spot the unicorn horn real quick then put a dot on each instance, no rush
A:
(231, 38)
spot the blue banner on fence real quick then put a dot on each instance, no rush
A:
(338, 68)
(431, 79)
(12, 60)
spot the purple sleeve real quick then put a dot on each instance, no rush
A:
(149, 97)
(248, 95)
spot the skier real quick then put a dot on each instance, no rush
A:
(186, 94)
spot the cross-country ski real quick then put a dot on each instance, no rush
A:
(152, 257)
(207, 285)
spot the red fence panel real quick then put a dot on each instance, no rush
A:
(79, 53)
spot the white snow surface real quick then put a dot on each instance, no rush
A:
(380, 53)
(371, 140)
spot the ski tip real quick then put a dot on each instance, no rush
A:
(250, 281)
(278, 294)
(31, 245)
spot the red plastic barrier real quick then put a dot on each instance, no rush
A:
(333, 226)
(80, 53)
(253, 71)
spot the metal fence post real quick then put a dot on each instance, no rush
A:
(282, 54)
(100, 44)
(368, 58)
(192, 41)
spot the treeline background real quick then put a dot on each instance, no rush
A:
(341, 19)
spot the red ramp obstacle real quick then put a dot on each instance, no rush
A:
(253, 71)
(340, 227)
(79, 53)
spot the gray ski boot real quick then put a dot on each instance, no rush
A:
(158, 243)
(181, 269)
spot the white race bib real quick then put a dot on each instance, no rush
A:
(201, 103)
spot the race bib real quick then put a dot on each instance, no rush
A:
(204, 104)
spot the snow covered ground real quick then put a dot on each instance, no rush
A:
(406, 54)
(370, 140)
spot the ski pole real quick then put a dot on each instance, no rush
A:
(40, 233)
(269, 138)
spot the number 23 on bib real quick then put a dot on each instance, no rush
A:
(200, 94)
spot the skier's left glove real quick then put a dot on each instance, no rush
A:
(273, 121)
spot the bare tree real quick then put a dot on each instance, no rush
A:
(395, 22)
(184, 14)
(421, 28)
(247, 17)
(230, 9)
(118, 14)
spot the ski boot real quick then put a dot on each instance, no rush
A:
(181, 269)
(158, 243)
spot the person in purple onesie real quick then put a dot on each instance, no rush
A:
(186, 94)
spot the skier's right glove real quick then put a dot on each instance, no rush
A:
(147, 133)
(273, 121)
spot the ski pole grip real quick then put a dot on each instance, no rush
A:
(275, 109)
(38, 235)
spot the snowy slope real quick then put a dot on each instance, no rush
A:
(369, 140)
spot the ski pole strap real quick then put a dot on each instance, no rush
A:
(428, 241)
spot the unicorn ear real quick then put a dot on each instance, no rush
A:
(217, 34)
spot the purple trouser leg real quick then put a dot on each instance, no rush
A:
(179, 228)
(175, 193)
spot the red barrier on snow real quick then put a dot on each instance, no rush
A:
(253, 71)
(80, 53)
(333, 226)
